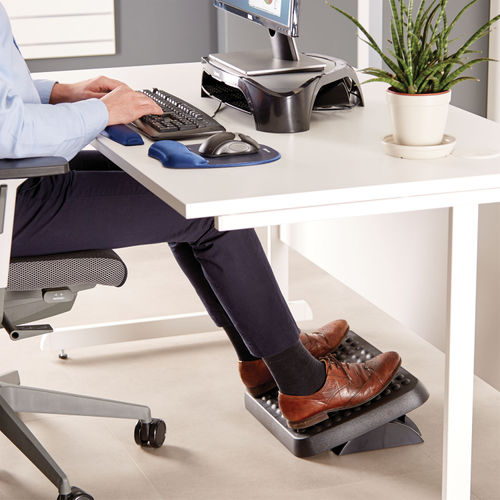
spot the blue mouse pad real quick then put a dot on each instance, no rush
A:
(173, 154)
(265, 154)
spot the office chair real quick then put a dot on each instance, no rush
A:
(39, 287)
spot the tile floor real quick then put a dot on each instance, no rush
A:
(215, 449)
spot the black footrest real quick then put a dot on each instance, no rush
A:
(379, 423)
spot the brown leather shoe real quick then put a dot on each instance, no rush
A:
(347, 385)
(257, 377)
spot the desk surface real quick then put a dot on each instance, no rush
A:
(340, 159)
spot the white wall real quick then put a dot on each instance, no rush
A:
(370, 16)
(398, 262)
(488, 296)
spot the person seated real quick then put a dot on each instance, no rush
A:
(98, 206)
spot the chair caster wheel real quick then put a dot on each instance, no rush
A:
(152, 434)
(76, 494)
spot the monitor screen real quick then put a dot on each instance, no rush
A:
(279, 15)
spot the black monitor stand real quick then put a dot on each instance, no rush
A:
(281, 87)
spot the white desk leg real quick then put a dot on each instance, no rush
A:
(277, 253)
(457, 445)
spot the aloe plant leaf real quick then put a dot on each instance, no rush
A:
(398, 24)
(380, 73)
(409, 43)
(457, 17)
(459, 80)
(425, 15)
(483, 30)
(463, 68)
(430, 72)
(393, 83)
(398, 48)
(420, 14)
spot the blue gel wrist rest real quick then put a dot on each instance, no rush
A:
(123, 135)
(173, 154)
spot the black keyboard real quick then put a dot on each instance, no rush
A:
(180, 120)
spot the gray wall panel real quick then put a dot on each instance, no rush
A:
(151, 32)
(325, 31)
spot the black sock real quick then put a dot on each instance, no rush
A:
(296, 371)
(239, 346)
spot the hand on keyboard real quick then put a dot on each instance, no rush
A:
(126, 105)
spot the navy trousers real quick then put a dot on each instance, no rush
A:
(98, 206)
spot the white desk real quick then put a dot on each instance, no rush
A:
(338, 169)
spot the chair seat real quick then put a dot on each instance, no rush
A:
(103, 267)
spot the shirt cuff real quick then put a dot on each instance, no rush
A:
(44, 88)
(95, 115)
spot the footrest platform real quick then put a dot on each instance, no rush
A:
(379, 423)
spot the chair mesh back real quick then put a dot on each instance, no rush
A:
(103, 267)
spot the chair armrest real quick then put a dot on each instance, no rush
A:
(32, 167)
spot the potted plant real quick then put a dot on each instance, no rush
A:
(420, 68)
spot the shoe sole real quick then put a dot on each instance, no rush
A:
(324, 415)
(260, 390)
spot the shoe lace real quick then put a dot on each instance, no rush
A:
(331, 359)
(345, 367)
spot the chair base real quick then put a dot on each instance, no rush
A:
(76, 494)
(380, 423)
(17, 398)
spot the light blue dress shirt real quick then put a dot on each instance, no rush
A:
(29, 126)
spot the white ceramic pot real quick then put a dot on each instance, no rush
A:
(418, 119)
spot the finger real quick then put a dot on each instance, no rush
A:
(156, 107)
(147, 103)
(94, 95)
(148, 109)
(105, 84)
(112, 83)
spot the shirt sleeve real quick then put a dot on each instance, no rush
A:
(44, 88)
(33, 129)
